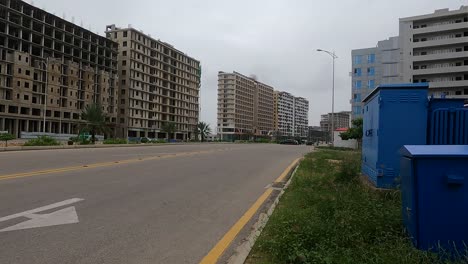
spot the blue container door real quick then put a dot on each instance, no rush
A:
(404, 122)
(408, 199)
(442, 203)
(370, 141)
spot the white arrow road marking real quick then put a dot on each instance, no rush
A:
(61, 217)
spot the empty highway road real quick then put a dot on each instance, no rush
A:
(161, 204)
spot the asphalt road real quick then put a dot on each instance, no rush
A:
(164, 204)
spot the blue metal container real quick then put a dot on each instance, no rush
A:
(435, 196)
(394, 115)
(448, 122)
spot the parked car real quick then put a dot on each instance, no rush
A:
(309, 143)
(289, 142)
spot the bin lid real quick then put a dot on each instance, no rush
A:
(396, 86)
(434, 151)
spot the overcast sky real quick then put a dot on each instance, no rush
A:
(274, 39)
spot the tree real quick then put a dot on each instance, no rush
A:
(95, 120)
(355, 132)
(6, 137)
(203, 130)
(169, 128)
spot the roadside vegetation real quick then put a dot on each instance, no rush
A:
(328, 216)
(42, 141)
(6, 137)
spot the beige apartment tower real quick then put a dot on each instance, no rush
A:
(158, 84)
(245, 107)
(51, 69)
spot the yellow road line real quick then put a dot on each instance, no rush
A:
(287, 170)
(215, 253)
(96, 165)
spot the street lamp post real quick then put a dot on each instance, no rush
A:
(333, 55)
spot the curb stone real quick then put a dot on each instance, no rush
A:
(243, 250)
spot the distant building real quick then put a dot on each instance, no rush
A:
(434, 50)
(291, 115)
(372, 67)
(158, 84)
(245, 107)
(341, 120)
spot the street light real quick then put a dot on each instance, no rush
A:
(333, 55)
(46, 65)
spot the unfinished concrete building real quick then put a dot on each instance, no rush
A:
(50, 69)
(158, 84)
(245, 107)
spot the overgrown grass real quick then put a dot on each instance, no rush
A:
(42, 141)
(115, 141)
(328, 216)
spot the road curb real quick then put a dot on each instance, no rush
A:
(22, 148)
(243, 250)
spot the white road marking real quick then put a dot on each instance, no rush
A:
(61, 217)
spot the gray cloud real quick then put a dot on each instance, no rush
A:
(275, 40)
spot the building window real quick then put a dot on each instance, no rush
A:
(26, 85)
(124, 44)
(357, 98)
(371, 84)
(357, 84)
(357, 72)
(124, 53)
(357, 110)
(371, 58)
(371, 71)
(357, 59)
(19, 70)
(125, 34)
(124, 63)
(26, 97)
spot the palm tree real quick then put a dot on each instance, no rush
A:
(203, 130)
(95, 120)
(169, 128)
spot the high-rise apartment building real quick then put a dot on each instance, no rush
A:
(158, 84)
(434, 49)
(341, 120)
(51, 69)
(301, 117)
(291, 115)
(372, 67)
(245, 107)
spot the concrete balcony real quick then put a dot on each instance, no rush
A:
(441, 56)
(448, 84)
(441, 70)
(440, 28)
(440, 42)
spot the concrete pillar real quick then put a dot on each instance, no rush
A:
(49, 127)
(27, 126)
(16, 127)
(69, 128)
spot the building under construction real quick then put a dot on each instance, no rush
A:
(51, 69)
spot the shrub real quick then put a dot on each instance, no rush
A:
(42, 141)
(158, 141)
(6, 137)
(144, 140)
(115, 141)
